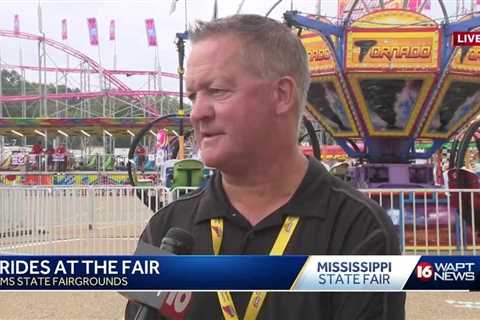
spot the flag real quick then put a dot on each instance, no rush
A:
(162, 138)
(173, 6)
(93, 31)
(161, 147)
(112, 30)
(64, 29)
(151, 35)
(413, 5)
(16, 24)
(427, 5)
(341, 8)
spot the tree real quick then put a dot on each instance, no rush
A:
(12, 81)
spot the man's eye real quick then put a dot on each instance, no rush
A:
(217, 91)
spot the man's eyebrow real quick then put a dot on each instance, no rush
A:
(205, 83)
(226, 79)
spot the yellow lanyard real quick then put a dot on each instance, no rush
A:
(257, 298)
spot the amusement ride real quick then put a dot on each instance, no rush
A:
(387, 85)
(385, 82)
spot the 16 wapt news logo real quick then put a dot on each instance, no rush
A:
(447, 271)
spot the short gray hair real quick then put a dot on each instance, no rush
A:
(271, 49)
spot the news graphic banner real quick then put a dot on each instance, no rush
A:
(203, 273)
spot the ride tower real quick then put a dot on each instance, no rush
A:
(384, 82)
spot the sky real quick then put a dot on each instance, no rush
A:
(131, 45)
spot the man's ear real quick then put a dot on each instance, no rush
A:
(285, 92)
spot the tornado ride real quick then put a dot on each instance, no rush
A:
(389, 80)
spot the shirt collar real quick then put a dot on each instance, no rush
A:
(214, 202)
(309, 200)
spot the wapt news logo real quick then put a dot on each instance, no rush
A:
(445, 271)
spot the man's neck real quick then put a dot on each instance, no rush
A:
(259, 191)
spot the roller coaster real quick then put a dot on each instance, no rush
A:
(79, 98)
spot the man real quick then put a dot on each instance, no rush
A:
(247, 77)
(141, 155)
(36, 152)
(37, 148)
(61, 157)
(50, 152)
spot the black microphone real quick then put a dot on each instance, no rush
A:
(153, 304)
(177, 241)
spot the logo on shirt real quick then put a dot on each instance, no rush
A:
(217, 230)
(229, 311)
(256, 301)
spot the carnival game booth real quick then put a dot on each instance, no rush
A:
(386, 80)
(64, 167)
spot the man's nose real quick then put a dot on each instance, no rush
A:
(202, 108)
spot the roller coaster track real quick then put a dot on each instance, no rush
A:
(120, 88)
(77, 70)
(88, 95)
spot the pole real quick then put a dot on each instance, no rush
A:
(160, 87)
(2, 138)
(186, 16)
(1, 90)
(65, 111)
(101, 68)
(2, 143)
(181, 55)
(104, 150)
(111, 105)
(44, 53)
(22, 85)
(42, 60)
(115, 53)
(157, 80)
(56, 92)
(181, 111)
(240, 6)
(45, 153)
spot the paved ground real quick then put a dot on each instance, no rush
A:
(117, 224)
(443, 305)
(110, 305)
(61, 306)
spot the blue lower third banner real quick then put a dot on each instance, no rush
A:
(279, 273)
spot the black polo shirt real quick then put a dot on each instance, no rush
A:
(335, 219)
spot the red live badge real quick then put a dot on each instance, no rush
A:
(466, 39)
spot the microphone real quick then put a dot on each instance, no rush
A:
(177, 241)
(173, 304)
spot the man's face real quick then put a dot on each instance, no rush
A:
(232, 106)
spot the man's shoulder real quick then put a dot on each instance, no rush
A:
(336, 195)
(333, 198)
(360, 221)
(351, 197)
